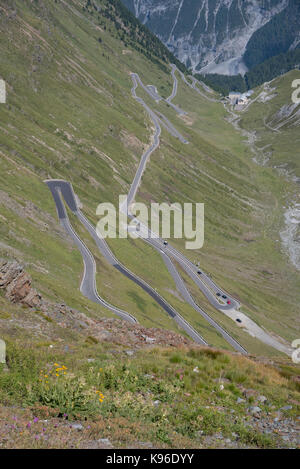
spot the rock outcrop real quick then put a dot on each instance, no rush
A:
(17, 284)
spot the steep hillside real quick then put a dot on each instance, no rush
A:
(214, 35)
(272, 50)
(279, 35)
(70, 115)
(75, 374)
(275, 120)
(73, 382)
(266, 71)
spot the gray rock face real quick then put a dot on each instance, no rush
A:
(77, 426)
(17, 284)
(240, 400)
(206, 33)
(286, 407)
(255, 410)
(262, 399)
(105, 442)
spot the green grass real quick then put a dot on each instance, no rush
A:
(189, 401)
(70, 115)
(283, 145)
(241, 248)
(140, 260)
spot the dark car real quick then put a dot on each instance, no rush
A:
(218, 294)
(166, 243)
(199, 272)
(224, 296)
(238, 320)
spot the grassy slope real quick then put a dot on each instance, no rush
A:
(284, 145)
(255, 270)
(70, 115)
(193, 407)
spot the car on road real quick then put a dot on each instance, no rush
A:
(238, 320)
(224, 296)
(218, 294)
(199, 272)
(165, 243)
(229, 302)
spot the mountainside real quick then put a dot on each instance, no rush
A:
(281, 34)
(97, 107)
(70, 115)
(275, 120)
(225, 37)
(261, 73)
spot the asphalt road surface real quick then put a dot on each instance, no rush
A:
(60, 188)
(203, 281)
(88, 284)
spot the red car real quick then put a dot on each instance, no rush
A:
(229, 302)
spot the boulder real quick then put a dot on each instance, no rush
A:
(17, 285)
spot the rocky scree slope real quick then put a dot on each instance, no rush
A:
(216, 36)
